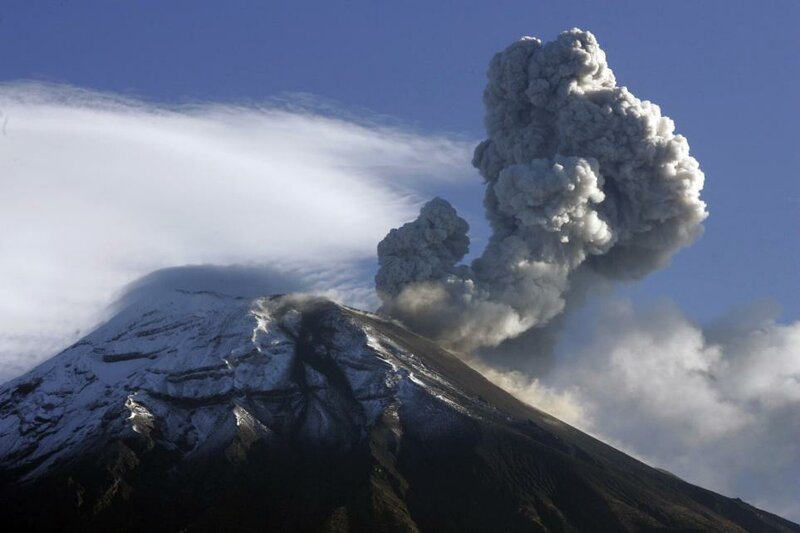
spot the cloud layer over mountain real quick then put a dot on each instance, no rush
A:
(99, 190)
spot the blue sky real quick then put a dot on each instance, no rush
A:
(726, 72)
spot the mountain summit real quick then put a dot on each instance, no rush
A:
(198, 411)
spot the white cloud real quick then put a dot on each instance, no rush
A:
(719, 406)
(98, 190)
(562, 404)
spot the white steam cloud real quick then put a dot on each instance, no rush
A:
(98, 190)
(717, 405)
(580, 175)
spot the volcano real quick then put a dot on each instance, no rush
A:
(198, 411)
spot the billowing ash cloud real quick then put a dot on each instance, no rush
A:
(425, 249)
(580, 175)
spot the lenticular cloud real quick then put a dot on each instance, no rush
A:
(580, 175)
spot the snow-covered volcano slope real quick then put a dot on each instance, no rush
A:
(203, 412)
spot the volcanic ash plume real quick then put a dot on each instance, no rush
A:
(580, 174)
